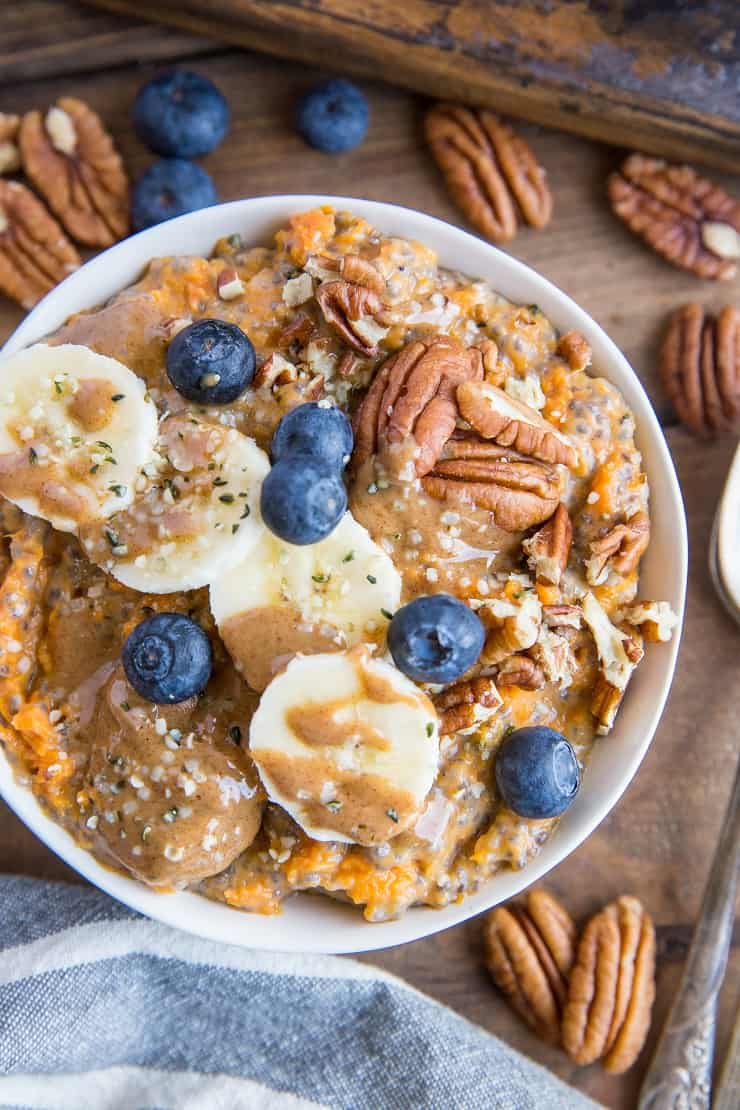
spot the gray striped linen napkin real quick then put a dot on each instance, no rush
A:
(101, 1009)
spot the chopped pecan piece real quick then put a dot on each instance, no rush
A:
(620, 549)
(518, 491)
(529, 952)
(35, 254)
(350, 309)
(687, 219)
(605, 702)
(575, 350)
(229, 285)
(618, 651)
(275, 370)
(488, 170)
(10, 158)
(71, 159)
(511, 623)
(553, 653)
(700, 368)
(655, 620)
(510, 423)
(297, 333)
(548, 549)
(493, 371)
(466, 705)
(635, 986)
(413, 394)
(562, 616)
(521, 671)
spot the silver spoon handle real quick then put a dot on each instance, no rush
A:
(727, 1095)
(680, 1073)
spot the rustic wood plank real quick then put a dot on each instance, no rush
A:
(656, 77)
(43, 37)
(659, 841)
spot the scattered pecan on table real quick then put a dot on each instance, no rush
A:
(612, 987)
(35, 254)
(687, 219)
(699, 366)
(489, 170)
(70, 158)
(529, 951)
(413, 394)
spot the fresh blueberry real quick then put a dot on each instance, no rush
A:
(333, 116)
(181, 114)
(314, 429)
(167, 658)
(169, 188)
(537, 772)
(210, 362)
(303, 499)
(435, 638)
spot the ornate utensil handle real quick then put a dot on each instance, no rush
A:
(680, 1074)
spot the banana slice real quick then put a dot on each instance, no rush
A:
(321, 597)
(347, 745)
(195, 515)
(75, 429)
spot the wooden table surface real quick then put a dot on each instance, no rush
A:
(658, 842)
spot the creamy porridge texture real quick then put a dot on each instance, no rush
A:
(490, 463)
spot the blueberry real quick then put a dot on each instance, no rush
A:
(303, 499)
(333, 116)
(537, 772)
(210, 362)
(435, 639)
(180, 114)
(167, 658)
(317, 430)
(169, 188)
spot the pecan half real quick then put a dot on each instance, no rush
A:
(635, 985)
(699, 366)
(510, 423)
(350, 310)
(488, 170)
(413, 394)
(466, 705)
(10, 158)
(521, 671)
(35, 254)
(528, 952)
(687, 219)
(620, 549)
(71, 159)
(518, 491)
(575, 350)
(592, 989)
(548, 549)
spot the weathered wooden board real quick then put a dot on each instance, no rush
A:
(661, 77)
(658, 842)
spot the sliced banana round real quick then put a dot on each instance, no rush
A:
(76, 427)
(347, 745)
(195, 515)
(319, 597)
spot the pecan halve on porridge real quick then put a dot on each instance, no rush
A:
(252, 674)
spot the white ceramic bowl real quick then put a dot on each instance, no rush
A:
(319, 924)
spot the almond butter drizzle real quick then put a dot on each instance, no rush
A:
(92, 405)
(326, 724)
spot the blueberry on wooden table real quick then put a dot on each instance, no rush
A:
(435, 639)
(211, 362)
(167, 658)
(180, 114)
(317, 429)
(302, 499)
(169, 188)
(537, 772)
(333, 116)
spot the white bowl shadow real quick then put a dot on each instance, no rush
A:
(320, 924)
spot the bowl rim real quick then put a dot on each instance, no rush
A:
(320, 924)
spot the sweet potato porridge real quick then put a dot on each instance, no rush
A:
(250, 649)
